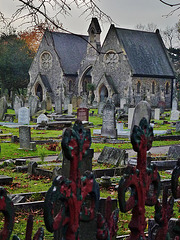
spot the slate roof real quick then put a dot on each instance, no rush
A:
(71, 50)
(46, 82)
(146, 53)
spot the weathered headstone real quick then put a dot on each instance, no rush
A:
(101, 107)
(18, 103)
(119, 126)
(157, 113)
(33, 104)
(58, 104)
(79, 101)
(83, 114)
(70, 109)
(3, 107)
(177, 126)
(43, 105)
(114, 156)
(66, 102)
(48, 102)
(122, 103)
(174, 152)
(109, 124)
(74, 102)
(175, 104)
(24, 137)
(142, 109)
(42, 118)
(130, 117)
(23, 115)
(174, 115)
(162, 105)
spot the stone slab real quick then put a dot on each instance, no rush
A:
(5, 180)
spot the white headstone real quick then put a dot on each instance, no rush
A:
(130, 117)
(122, 102)
(157, 113)
(174, 115)
(42, 118)
(175, 104)
(142, 110)
(70, 109)
(23, 115)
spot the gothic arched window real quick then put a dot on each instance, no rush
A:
(167, 88)
(153, 87)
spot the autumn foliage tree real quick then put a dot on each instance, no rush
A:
(15, 60)
(33, 37)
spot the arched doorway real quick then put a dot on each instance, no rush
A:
(103, 93)
(86, 78)
(39, 92)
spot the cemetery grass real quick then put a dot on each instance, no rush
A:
(12, 151)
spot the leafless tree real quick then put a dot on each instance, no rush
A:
(32, 11)
(175, 6)
(150, 27)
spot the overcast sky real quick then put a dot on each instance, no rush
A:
(125, 13)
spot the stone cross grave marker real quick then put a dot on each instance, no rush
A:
(109, 124)
(23, 115)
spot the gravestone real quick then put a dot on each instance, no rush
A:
(122, 103)
(24, 137)
(5, 180)
(43, 105)
(119, 127)
(161, 105)
(48, 102)
(3, 107)
(109, 124)
(157, 113)
(114, 156)
(142, 109)
(175, 104)
(130, 117)
(86, 164)
(174, 115)
(83, 114)
(174, 152)
(79, 101)
(23, 115)
(74, 102)
(58, 104)
(42, 118)
(70, 109)
(101, 107)
(33, 104)
(66, 102)
(177, 126)
(18, 103)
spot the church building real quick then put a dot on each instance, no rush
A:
(129, 66)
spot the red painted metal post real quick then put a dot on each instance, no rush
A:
(138, 181)
(73, 191)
